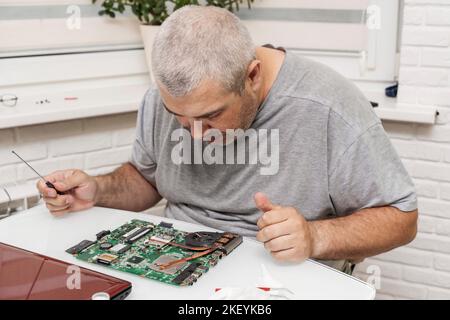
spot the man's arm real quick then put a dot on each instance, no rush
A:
(362, 234)
(289, 237)
(125, 188)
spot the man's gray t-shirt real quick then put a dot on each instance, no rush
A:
(334, 156)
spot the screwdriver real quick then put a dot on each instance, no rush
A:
(47, 183)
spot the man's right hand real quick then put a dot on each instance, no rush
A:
(79, 190)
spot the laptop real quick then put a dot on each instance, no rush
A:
(25, 275)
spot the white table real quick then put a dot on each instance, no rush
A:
(36, 230)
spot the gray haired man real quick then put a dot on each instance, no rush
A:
(339, 191)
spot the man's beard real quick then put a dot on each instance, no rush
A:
(248, 111)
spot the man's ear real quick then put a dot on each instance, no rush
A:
(254, 74)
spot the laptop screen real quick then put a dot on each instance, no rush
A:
(25, 275)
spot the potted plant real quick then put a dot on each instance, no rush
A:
(152, 13)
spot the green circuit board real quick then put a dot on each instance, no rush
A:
(157, 252)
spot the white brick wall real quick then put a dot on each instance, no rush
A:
(421, 270)
(97, 145)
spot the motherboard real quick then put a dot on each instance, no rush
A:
(159, 252)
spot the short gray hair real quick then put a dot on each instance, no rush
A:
(202, 43)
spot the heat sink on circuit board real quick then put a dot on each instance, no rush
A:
(157, 252)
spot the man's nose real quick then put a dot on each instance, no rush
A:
(198, 128)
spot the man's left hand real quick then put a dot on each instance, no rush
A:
(284, 231)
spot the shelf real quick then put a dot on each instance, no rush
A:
(390, 110)
(89, 103)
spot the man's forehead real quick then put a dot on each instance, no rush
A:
(205, 87)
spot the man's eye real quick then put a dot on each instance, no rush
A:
(213, 116)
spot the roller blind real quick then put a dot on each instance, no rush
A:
(307, 24)
(29, 27)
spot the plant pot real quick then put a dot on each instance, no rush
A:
(148, 34)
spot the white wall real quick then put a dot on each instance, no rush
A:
(96, 145)
(421, 270)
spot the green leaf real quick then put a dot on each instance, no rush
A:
(155, 11)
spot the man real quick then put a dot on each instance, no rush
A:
(334, 190)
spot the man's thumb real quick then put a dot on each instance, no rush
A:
(263, 203)
(72, 180)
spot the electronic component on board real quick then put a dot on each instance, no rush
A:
(80, 247)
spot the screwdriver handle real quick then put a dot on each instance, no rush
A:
(50, 185)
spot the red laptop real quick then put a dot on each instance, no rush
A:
(25, 275)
